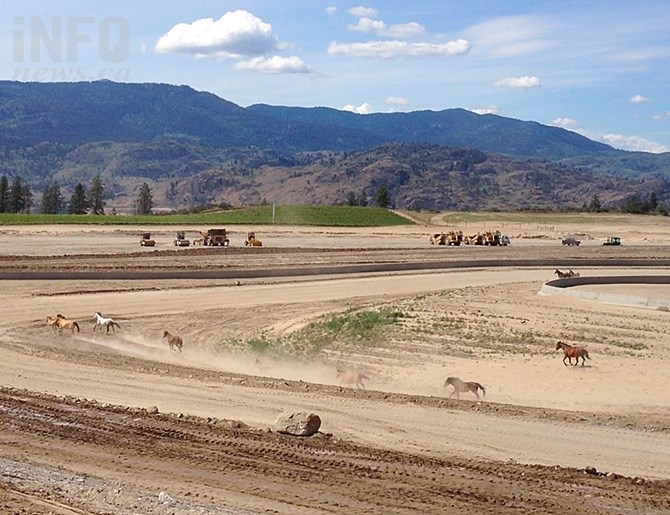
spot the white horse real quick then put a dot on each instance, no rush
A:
(107, 322)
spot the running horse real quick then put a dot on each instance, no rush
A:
(64, 323)
(570, 352)
(175, 342)
(562, 275)
(107, 322)
(464, 387)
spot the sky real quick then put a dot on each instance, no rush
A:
(597, 67)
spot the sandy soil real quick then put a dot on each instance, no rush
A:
(80, 433)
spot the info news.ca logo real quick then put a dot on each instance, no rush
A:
(52, 49)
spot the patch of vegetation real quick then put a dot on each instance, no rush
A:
(335, 216)
(259, 345)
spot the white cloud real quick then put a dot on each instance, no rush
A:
(510, 35)
(638, 99)
(486, 110)
(361, 11)
(396, 101)
(364, 108)
(634, 143)
(390, 49)
(525, 82)
(275, 65)
(331, 9)
(400, 31)
(236, 33)
(565, 123)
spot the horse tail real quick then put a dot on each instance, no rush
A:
(586, 353)
(482, 388)
(75, 324)
(116, 324)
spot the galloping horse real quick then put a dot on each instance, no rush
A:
(174, 341)
(107, 322)
(64, 323)
(351, 377)
(464, 387)
(570, 352)
(562, 275)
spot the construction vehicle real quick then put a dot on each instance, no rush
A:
(448, 238)
(252, 241)
(181, 240)
(146, 240)
(570, 241)
(215, 237)
(613, 240)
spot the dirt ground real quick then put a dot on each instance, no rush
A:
(98, 423)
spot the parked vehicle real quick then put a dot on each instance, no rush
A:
(570, 241)
(613, 240)
(215, 237)
(146, 240)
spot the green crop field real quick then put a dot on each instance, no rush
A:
(336, 216)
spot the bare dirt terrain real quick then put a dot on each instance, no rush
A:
(98, 423)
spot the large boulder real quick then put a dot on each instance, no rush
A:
(298, 424)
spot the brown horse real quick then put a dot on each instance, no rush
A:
(570, 352)
(562, 275)
(174, 341)
(464, 387)
(351, 377)
(64, 323)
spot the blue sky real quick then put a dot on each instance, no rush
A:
(598, 67)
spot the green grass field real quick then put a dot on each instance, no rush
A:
(336, 216)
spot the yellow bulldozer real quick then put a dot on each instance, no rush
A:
(252, 241)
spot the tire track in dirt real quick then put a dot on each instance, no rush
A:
(223, 460)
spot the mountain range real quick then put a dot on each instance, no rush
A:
(196, 148)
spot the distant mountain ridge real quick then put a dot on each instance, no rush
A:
(450, 127)
(195, 147)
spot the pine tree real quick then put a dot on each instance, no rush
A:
(382, 198)
(351, 199)
(144, 203)
(78, 202)
(4, 194)
(52, 200)
(96, 195)
(20, 198)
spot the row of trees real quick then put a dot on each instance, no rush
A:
(18, 198)
(633, 204)
(382, 198)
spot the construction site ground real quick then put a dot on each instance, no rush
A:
(117, 423)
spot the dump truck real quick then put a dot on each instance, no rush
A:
(146, 240)
(181, 240)
(215, 237)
